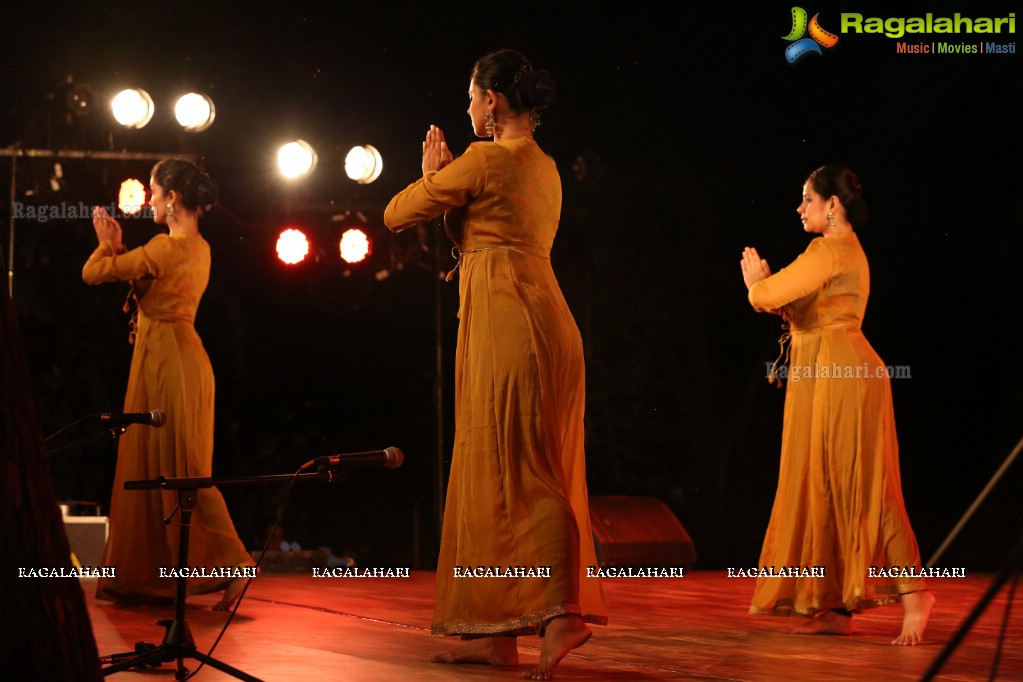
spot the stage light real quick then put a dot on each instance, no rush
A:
(79, 100)
(133, 108)
(363, 164)
(587, 168)
(194, 112)
(57, 177)
(296, 159)
(131, 199)
(355, 246)
(292, 246)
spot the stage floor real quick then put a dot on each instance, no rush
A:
(295, 627)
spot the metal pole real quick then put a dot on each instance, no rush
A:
(976, 503)
(438, 240)
(10, 246)
(102, 155)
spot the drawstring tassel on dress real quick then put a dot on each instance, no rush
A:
(784, 348)
(457, 255)
(131, 308)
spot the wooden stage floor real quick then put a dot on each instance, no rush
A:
(295, 627)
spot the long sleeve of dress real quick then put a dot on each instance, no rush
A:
(454, 185)
(807, 273)
(108, 264)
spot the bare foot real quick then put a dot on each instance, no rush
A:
(498, 650)
(231, 593)
(824, 623)
(562, 634)
(916, 611)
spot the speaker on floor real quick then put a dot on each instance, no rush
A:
(87, 536)
(638, 531)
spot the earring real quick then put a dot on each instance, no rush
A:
(170, 210)
(831, 220)
(488, 123)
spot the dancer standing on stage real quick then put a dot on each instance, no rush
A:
(170, 371)
(517, 489)
(839, 501)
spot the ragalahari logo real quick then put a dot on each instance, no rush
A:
(801, 46)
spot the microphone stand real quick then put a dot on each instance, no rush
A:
(178, 643)
(113, 434)
(1012, 565)
(108, 434)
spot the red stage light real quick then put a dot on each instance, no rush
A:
(355, 245)
(292, 246)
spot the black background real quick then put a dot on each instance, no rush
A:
(696, 136)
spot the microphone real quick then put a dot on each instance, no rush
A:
(389, 457)
(155, 418)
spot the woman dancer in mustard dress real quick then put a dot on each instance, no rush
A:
(170, 371)
(517, 489)
(839, 502)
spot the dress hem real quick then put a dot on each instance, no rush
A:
(856, 605)
(530, 624)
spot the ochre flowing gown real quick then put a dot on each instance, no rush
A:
(170, 371)
(839, 501)
(517, 489)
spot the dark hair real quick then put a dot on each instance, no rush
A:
(510, 73)
(835, 180)
(197, 190)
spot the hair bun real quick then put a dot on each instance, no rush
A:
(538, 88)
(854, 183)
(206, 193)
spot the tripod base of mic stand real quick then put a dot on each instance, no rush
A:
(177, 641)
(177, 645)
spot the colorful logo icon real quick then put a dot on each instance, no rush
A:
(801, 46)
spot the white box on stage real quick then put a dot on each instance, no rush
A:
(87, 536)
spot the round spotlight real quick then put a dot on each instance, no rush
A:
(296, 159)
(131, 199)
(355, 246)
(194, 112)
(363, 164)
(133, 108)
(292, 246)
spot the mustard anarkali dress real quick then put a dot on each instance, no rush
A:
(170, 371)
(839, 501)
(517, 489)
